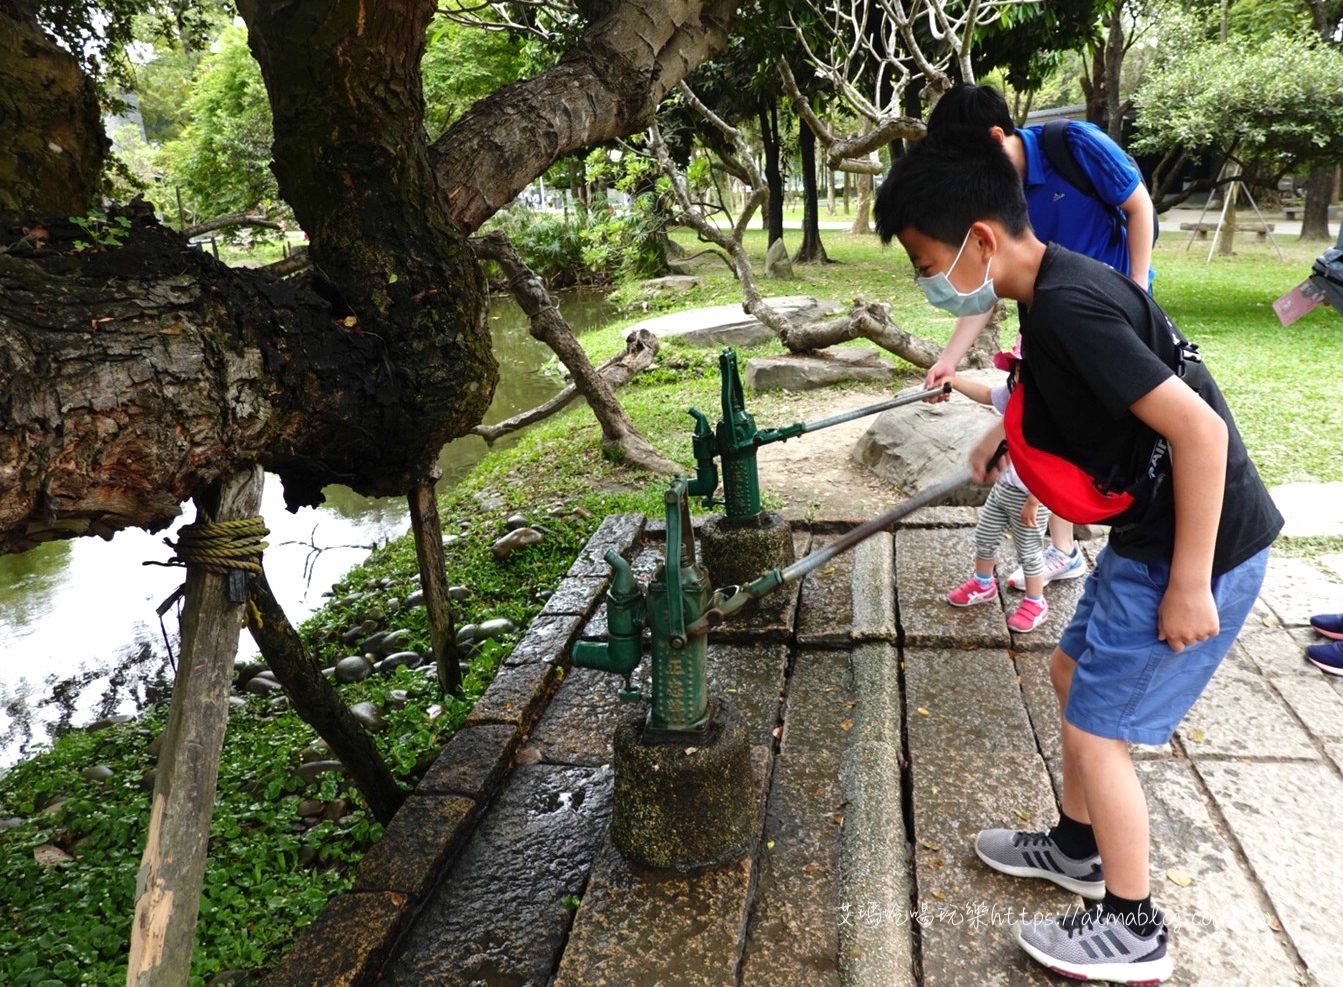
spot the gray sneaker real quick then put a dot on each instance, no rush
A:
(1024, 854)
(1092, 946)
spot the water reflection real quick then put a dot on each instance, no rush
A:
(82, 608)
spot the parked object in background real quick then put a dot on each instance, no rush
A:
(1323, 287)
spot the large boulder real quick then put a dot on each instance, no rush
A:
(920, 444)
(778, 265)
(728, 325)
(818, 368)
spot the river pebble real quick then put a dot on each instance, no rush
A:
(369, 715)
(353, 669)
(514, 542)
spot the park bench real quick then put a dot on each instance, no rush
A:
(1201, 230)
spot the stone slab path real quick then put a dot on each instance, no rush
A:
(887, 728)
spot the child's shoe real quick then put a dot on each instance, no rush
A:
(1327, 657)
(1030, 615)
(1092, 945)
(1023, 853)
(970, 592)
(1058, 565)
(1328, 624)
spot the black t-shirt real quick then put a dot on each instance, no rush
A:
(1093, 343)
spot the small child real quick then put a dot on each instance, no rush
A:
(1009, 505)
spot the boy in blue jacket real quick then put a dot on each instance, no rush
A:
(1110, 390)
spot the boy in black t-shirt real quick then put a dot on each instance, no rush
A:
(1108, 385)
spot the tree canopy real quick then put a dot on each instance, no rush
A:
(1278, 102)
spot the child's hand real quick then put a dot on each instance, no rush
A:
(1187, 617)
(1029, 512)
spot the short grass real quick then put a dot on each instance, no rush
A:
(69, 924)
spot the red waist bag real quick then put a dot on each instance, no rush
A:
(1064, 487)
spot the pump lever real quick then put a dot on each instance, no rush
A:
(775, 578)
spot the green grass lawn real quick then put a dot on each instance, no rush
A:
(1283, 384)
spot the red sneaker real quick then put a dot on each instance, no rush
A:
(970, 592)
(1029, 616)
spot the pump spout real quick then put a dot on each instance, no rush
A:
(621, 651)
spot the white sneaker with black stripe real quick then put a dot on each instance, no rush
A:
(1028, 854)
(1092, 945)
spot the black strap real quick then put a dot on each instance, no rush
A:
(1060, 155)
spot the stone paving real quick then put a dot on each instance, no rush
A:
(887, 729)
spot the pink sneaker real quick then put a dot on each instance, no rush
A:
(968, 593)
(1029, 616)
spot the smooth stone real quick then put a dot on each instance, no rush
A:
(778, 264)
(495, 628)
(514, 542)
(514, 522)
(310, 771)
(392, 643)
(352, 669)
(109, 721)
(415, 599)
(261, 686)
(369, 715)
(98, 772)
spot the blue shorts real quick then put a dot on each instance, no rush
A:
(1128, 685)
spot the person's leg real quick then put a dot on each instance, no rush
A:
(1030, 545)
(982, 587)
(1061, 534)
(1115, 806)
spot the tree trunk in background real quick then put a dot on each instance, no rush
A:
(1315, 214)
(811, 250)
(769, 137)
(863, 209)
(53, 145)
(1114, 64)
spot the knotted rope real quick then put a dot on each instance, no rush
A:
(221, 546)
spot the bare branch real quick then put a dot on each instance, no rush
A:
(236, 219)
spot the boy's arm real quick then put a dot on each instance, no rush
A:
(1198, 444)
(968, 328)
(973, 389)
(1141, 223)
(984, 451)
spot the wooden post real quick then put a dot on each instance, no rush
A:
(428, 534)
(172, 870)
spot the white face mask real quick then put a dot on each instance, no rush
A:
(941, 293)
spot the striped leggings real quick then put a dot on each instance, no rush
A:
(1002, 511)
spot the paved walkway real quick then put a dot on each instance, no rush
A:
(887, 729)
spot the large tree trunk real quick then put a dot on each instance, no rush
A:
(53, 145)
(1315, 214)
(133, 377)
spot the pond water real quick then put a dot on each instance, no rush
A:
(83, 609)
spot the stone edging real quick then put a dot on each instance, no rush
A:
(354, 934)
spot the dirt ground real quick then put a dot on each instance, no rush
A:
(816, 472)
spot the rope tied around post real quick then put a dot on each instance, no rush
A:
(221, 546)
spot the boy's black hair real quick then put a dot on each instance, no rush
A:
(948, 181)
(969, 105)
